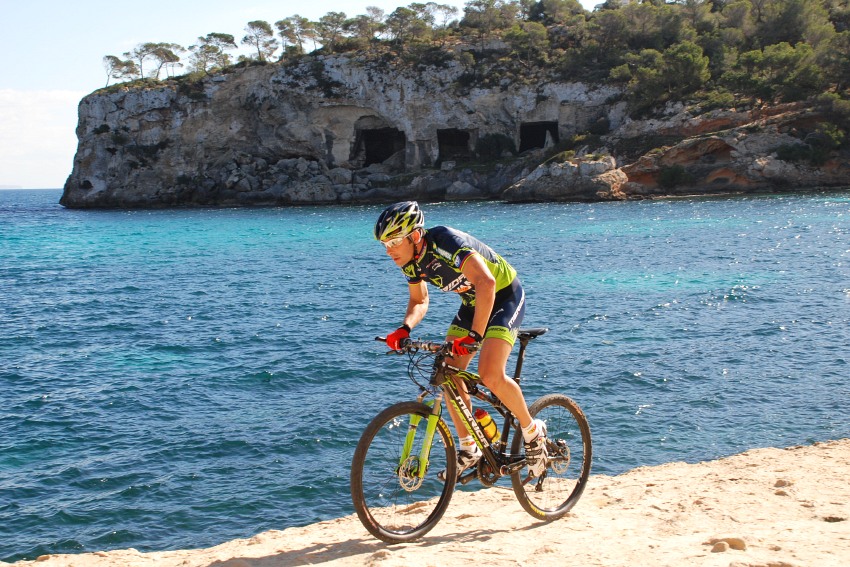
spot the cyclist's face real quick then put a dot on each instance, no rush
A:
(401, 253)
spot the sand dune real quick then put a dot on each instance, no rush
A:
(762, 508)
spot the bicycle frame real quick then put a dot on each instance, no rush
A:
(443, 376)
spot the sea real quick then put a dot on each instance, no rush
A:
(179, 378)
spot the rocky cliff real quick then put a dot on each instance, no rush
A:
(720, 152)
(329, 129)
(333, 129)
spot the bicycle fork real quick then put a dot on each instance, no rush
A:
(412, 468)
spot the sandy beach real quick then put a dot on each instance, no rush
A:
(762, 508)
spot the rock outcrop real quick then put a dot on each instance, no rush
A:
(340, 129)
(732, 152)
(327, 130)
(722, 152)
(572, 180)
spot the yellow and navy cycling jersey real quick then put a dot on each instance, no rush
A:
(441, 262)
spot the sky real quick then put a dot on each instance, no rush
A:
(51, 56)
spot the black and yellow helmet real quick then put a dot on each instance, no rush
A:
(399, 220)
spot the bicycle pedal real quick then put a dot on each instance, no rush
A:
(468, 476)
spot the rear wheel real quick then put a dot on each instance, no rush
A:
(391, 499)
(569, 449)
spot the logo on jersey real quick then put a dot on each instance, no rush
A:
(459, 285)
(462, 255)
(442, 253)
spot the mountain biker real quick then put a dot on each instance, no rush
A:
(491, 310)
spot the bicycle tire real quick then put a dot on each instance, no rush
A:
(570, 451)
(388, 502)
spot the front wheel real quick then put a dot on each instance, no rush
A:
(392, 499)
(569, 449)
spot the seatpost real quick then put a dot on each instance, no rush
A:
(523, 342)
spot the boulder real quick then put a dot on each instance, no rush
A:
(582, 180)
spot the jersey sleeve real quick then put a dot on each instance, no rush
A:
(410, 273)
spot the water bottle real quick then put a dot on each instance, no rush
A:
(486, 423)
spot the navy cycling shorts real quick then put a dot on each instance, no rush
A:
(508, 311)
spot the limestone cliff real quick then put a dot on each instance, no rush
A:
(329, 129)
(336, 129)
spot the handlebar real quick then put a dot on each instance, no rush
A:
(409, 344)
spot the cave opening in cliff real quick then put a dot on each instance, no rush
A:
(533, 135)
(377, 145)
(453, 143)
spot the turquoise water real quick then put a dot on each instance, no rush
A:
(176, 379)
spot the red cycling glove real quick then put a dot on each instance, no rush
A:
(394, 339)
(460, 346)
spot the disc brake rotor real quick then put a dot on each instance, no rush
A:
(408, 474)
(560, 458)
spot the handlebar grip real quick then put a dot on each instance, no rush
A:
(403, 343)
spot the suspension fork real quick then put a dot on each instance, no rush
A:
(430, 429)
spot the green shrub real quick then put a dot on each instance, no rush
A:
(718, 99)
(149, 151)
(588, 138)
(815, 153)
(192, 87)
(562, 157)
(837, 109)
(827, 136)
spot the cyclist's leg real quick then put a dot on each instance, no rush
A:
(460, 362)
(499, 338)
(460, 326)
(468, 452)
(491, 366)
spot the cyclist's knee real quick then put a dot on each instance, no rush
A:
(491, 370)
(493, 380)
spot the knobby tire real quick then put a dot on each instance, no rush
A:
(570, 449)
(388, 503)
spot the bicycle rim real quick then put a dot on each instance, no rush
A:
(391, 501)
(568, 469)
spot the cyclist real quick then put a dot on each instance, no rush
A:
(491, 310)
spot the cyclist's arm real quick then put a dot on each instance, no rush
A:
(417, 305)
(479, 275)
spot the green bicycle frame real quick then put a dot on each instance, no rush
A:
(461, 408)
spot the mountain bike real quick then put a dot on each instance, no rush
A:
(394, 472)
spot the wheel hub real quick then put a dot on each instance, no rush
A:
(561, 459)
(408, 474)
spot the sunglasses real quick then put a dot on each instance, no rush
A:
(393, 242)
